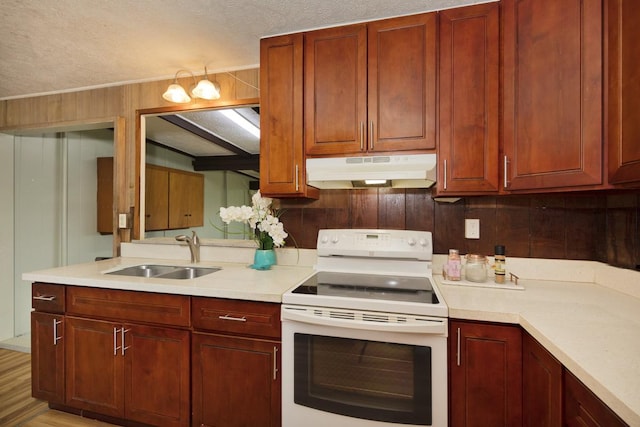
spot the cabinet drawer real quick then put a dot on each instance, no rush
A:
(238, 317)
(146, 307)
(48, 297)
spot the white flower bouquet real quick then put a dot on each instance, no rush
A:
(267, 229)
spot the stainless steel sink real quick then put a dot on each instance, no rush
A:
(164, 271)
(188, 273)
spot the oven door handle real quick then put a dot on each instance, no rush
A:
(412, 324)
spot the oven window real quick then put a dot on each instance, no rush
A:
(363, 379)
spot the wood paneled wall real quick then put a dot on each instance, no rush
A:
(573, 226)
(116, 106)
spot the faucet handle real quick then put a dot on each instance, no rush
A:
(195, 239)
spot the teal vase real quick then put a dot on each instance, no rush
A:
(264, 259)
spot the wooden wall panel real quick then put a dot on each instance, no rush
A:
(419, 210)
(119, 106)
(585, 227)
(548, 237)
(364, 208)
(622, 232)
(512, 224)
(391, 208)
(484, 209)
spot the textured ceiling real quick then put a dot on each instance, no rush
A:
(60, 45)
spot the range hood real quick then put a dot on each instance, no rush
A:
(398, 171)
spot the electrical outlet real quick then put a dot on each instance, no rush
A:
(472, 228)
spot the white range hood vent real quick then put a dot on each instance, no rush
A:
(398, 171)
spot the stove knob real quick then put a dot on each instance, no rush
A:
(423, 242)
(334, 239)
(412, 241)
(324, 239)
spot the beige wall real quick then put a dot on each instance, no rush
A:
(117, 106)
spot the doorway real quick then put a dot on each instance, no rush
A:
(53, 217)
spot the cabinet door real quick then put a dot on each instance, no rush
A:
(469, 97)
(335, 90)
(583, 408)
(156, 205)
(542, 386)
(552, 88)
(186, 199)
(156, 375)
(623, 92)
(94, 379)
(105, 195)
(236, 381)
(485, 370)
(282, 162)
(47, 357)
(401, 83)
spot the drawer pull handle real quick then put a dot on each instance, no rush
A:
(235, 319)
(44, 297)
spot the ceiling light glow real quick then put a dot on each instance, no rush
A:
(238, 119)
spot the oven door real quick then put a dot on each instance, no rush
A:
(351, 368)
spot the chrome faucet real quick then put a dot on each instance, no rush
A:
(194, 245)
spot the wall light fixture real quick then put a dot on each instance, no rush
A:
(204, 89)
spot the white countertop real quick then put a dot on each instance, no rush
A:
(234, 280)
(587, 314)
(593, 330)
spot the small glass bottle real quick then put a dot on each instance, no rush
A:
(452, 269)
(500, 261)
(475, 269)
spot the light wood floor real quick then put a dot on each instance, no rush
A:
(18, 408)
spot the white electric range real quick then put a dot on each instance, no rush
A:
(365, 338)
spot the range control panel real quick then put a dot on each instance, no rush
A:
(375, 243)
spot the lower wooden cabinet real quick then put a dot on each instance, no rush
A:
(583, 408)
(47, 356)
(130, 371)
(235, 363)
(236, 381)
(542, 386)
(485, 375)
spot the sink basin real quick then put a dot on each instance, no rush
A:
(164, 271)
(188, 273)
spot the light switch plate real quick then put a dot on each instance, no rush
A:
(472, 228)
(122, 220)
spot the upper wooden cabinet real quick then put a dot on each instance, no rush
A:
(174, 198)
(623, 91)
(156, 196)
(552, 93)
(186, 199)
(282, 161)
(468, 67)
(371, 87)
(105, 210)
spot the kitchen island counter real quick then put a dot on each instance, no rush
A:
(593, 330)
(232, 281)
